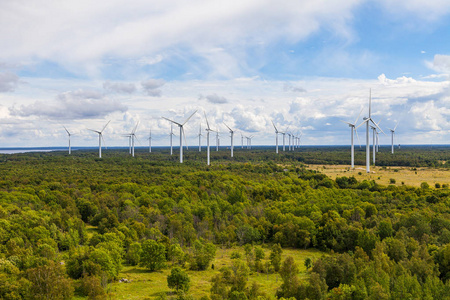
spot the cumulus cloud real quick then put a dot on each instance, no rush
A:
(400, 80)
(119, 87)
(8, 82)
(214, 98)
(441, 63)
(159, 27)
(80, 104)
(151, 87)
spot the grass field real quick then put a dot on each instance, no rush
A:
(382, 175)
(148, 285)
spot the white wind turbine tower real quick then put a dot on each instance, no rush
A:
(171, 134)
(180, 125)
(150, 142)
(208, 150)
(289, 141)
(231, 135)
(368, 120)
(374, 143)
(276, 137)
(353, 132)
(284, 138)
(242, 141)
(200, 139)
(69, 134)
(392, 138)
(100, 138)
(217, 139)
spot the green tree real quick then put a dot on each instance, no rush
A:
(49, 282)
(153, 256)
(133, 255)
(203, 254)
(308, 263)
(288, 273)
(275, 257)
(178, 280)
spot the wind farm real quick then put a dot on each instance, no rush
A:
(225, 150)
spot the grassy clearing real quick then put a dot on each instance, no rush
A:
(148, 285)
(382, 175)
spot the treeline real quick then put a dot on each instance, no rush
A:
(69, 223)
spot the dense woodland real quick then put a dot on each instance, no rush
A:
(68, 224)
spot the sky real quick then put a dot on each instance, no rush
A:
(303, 65)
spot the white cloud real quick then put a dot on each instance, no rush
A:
(441, 63)
(119, 87)
(430, 10)
(151, 87)
(214, 98)
(81, 104)
(143, 30)
(8, 82)
(290, 88)
(400, 80)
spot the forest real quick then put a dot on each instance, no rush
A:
(70, 223)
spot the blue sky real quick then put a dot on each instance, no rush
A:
(305, 65)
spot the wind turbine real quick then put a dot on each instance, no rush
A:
(368, 120)
(392, 138)
(180, 125)
(249, 141)
(242, 141)
(231, 134)
(353, 131)
(69, 134)
(100, 138)
(133, 136)
(208, 150)
(276, 137)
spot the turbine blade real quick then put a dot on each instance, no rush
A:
(184, 136)
(137, 139)
(172, 121)
(228, 127)
(207, 124)
(189, 118)
(356, 121)
(67, 130)
(105, 126)
(347, 123)
(366, 120)
(96, 131)
(396, 126)
(134, 130)
(376, 125)
(276, 130)
(104, 143)
(357, 136)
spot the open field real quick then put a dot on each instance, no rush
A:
(382, 175)
(148, 285)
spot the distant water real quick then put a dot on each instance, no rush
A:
(25, 150)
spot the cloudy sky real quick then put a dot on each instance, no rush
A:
(305, 65)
